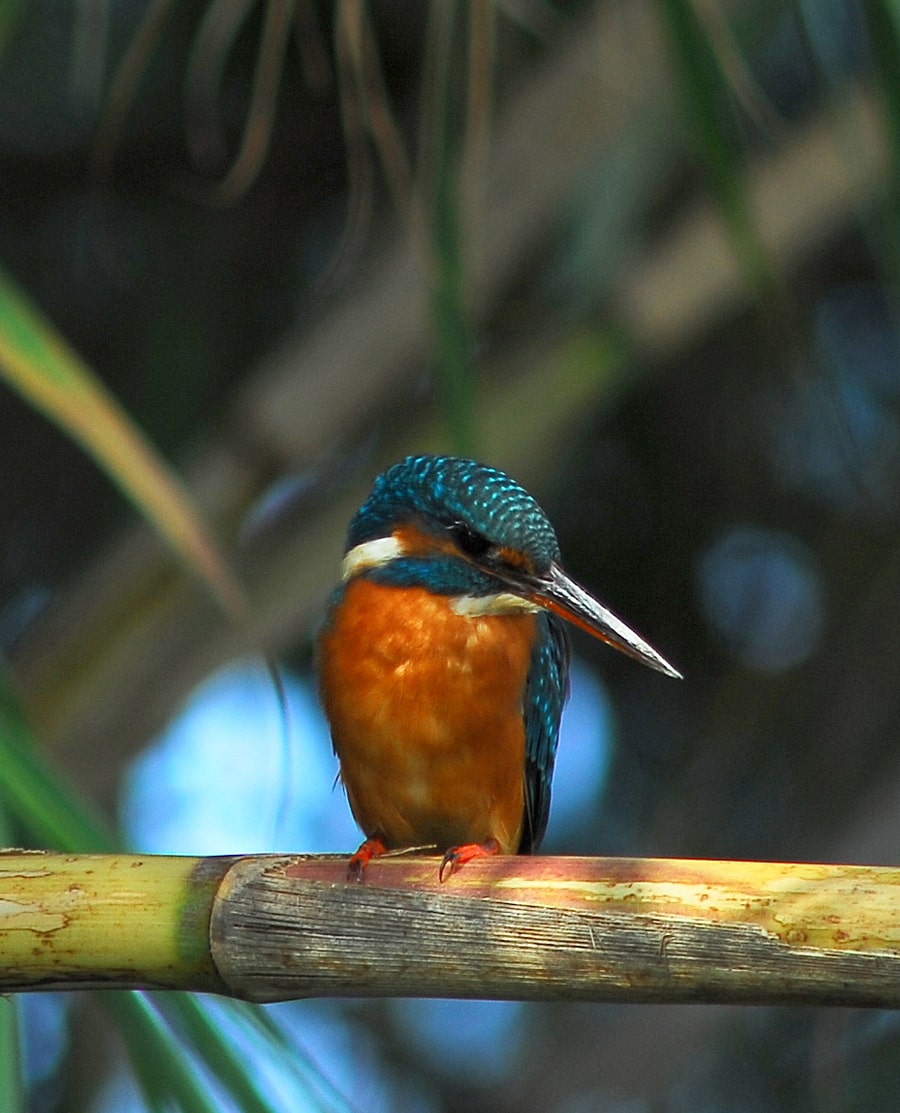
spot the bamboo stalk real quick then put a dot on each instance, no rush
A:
(601, 929)
(104, 920)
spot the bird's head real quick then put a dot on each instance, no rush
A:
(469, 531)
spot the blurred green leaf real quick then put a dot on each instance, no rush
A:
(10, 10)
(164, 1071)
(454, 342)
(12, 1099)
(39, 799)
(293, 1060)
(707, 97)
(883, 18)
(37, 362)
(186, 1014)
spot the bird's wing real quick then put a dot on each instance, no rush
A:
(545, 694)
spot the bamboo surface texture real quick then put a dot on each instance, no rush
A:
(274, 928)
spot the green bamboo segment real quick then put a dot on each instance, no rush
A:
(129, 921)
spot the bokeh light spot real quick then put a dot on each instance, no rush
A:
(582, 762)
(221, 779)
(763, 597)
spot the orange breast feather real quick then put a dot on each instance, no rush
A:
(427, 716)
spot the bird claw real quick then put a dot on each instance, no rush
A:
(373, 847)
(376, 847)
(457, 856)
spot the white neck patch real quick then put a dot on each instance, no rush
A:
(370, 554)
(504, 602)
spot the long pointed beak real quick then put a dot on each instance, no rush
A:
(558, 593)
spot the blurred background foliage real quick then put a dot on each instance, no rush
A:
(643, 254)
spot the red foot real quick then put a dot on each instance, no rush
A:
(457, 856)
(373, 847)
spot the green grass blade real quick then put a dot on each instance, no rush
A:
(12, 1098)
(707, 98)
(38, 363)
(292, 1057)
(883, 18)
(163, 1070)
(454, 341)
(10, 11)
(187, 1016)
(36, 796)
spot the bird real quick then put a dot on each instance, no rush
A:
(443, 662)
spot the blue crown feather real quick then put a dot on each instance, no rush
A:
(444, 490)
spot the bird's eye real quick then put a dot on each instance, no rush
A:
(472, 544)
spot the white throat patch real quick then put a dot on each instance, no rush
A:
(504, 602)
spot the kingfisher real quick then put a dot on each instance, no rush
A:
(444, 662)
